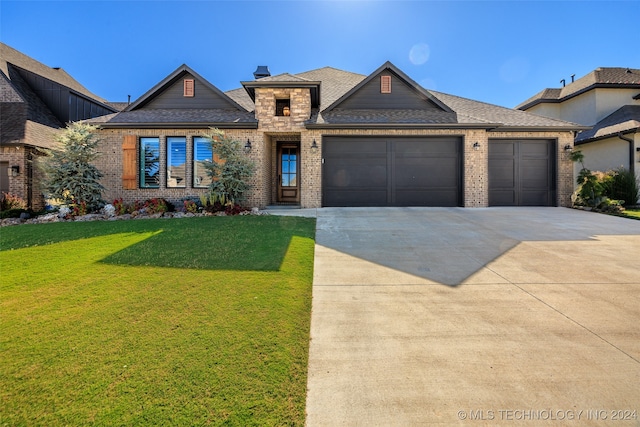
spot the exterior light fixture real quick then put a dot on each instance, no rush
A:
(568, 148)
(247, 146)
(314, 145)
(15, 170)
(476, 146)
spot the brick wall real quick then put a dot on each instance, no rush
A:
(110, 164)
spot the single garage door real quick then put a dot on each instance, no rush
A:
(379, 171)
(522, 173)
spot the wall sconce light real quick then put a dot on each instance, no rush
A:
(568, 148)
(314, 145)
(15, 170)
(476, 146)
(247, 146)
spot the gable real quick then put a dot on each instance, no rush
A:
(174, 96)
(399, 96)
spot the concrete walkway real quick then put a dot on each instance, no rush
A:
(497, 316)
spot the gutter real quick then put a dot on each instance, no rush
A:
(486, 126)
(178, 125)
(632, 166)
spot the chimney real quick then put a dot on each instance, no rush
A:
(261, 71)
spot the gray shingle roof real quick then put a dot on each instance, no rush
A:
(193, 117)
(470, 111)
(335, 83)
(624, 119)
(600, 77)
(58, 75)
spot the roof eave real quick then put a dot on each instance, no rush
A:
(184, 125)
(505, 128)
(580, 92)
(486, 126)
(250, 87)
(610, 135)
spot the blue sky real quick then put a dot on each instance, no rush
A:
(501, 52)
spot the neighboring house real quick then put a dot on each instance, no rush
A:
(329, 137)
(608, 100)
(36, 102)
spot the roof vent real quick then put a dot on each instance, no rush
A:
(261, 71)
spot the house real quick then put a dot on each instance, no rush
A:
(607, 100)
(329, 137)
(36, 102)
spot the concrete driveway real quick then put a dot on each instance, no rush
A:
(497, 316)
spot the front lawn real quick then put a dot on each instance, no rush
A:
(185, 322)
(632, 213)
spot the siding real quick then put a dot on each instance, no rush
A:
(401, 97)
(173, 97)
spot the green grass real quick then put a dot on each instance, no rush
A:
(632, 213)
(184, 322)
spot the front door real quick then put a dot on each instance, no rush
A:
(288, 172)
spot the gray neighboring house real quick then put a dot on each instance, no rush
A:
(329, 137)
(36, 102)
(608, 101)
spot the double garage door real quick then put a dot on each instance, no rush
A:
(378, 171)
(427, 171)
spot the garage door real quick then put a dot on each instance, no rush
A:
(521, 173)
(377, 171)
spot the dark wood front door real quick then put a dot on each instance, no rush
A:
(288, 173)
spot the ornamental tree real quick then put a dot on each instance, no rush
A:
(70, 176)
(230, 171)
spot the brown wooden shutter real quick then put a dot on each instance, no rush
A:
(385, 84)
(129, 162)
(189, 86)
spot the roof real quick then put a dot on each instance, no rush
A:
(178, 118)
(625, 119)
(9, 55)
(335, 86)
(453, 112)
(141, 114)
(602, 77)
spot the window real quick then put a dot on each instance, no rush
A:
(149, 162)
(189, 88)
(176, 162)
(283, 107)
(202, 152)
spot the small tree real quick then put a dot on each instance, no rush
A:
(231, 171)
(70, 176)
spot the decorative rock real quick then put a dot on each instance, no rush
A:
(109, 210)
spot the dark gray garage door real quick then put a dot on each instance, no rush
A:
(521, 173)
(378, 171)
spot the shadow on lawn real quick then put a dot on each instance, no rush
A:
(213, 243)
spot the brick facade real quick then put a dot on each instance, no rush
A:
(274, 127)
(263, 152)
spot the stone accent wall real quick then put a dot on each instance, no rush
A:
(300, 104)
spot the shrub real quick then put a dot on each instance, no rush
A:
(623, 186)
(190, 206)
(79, 209)
(120, 207)
(10, 201)
(70, 176)
(231, 173)
(157, 205)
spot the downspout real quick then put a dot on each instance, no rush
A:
(632, 163)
